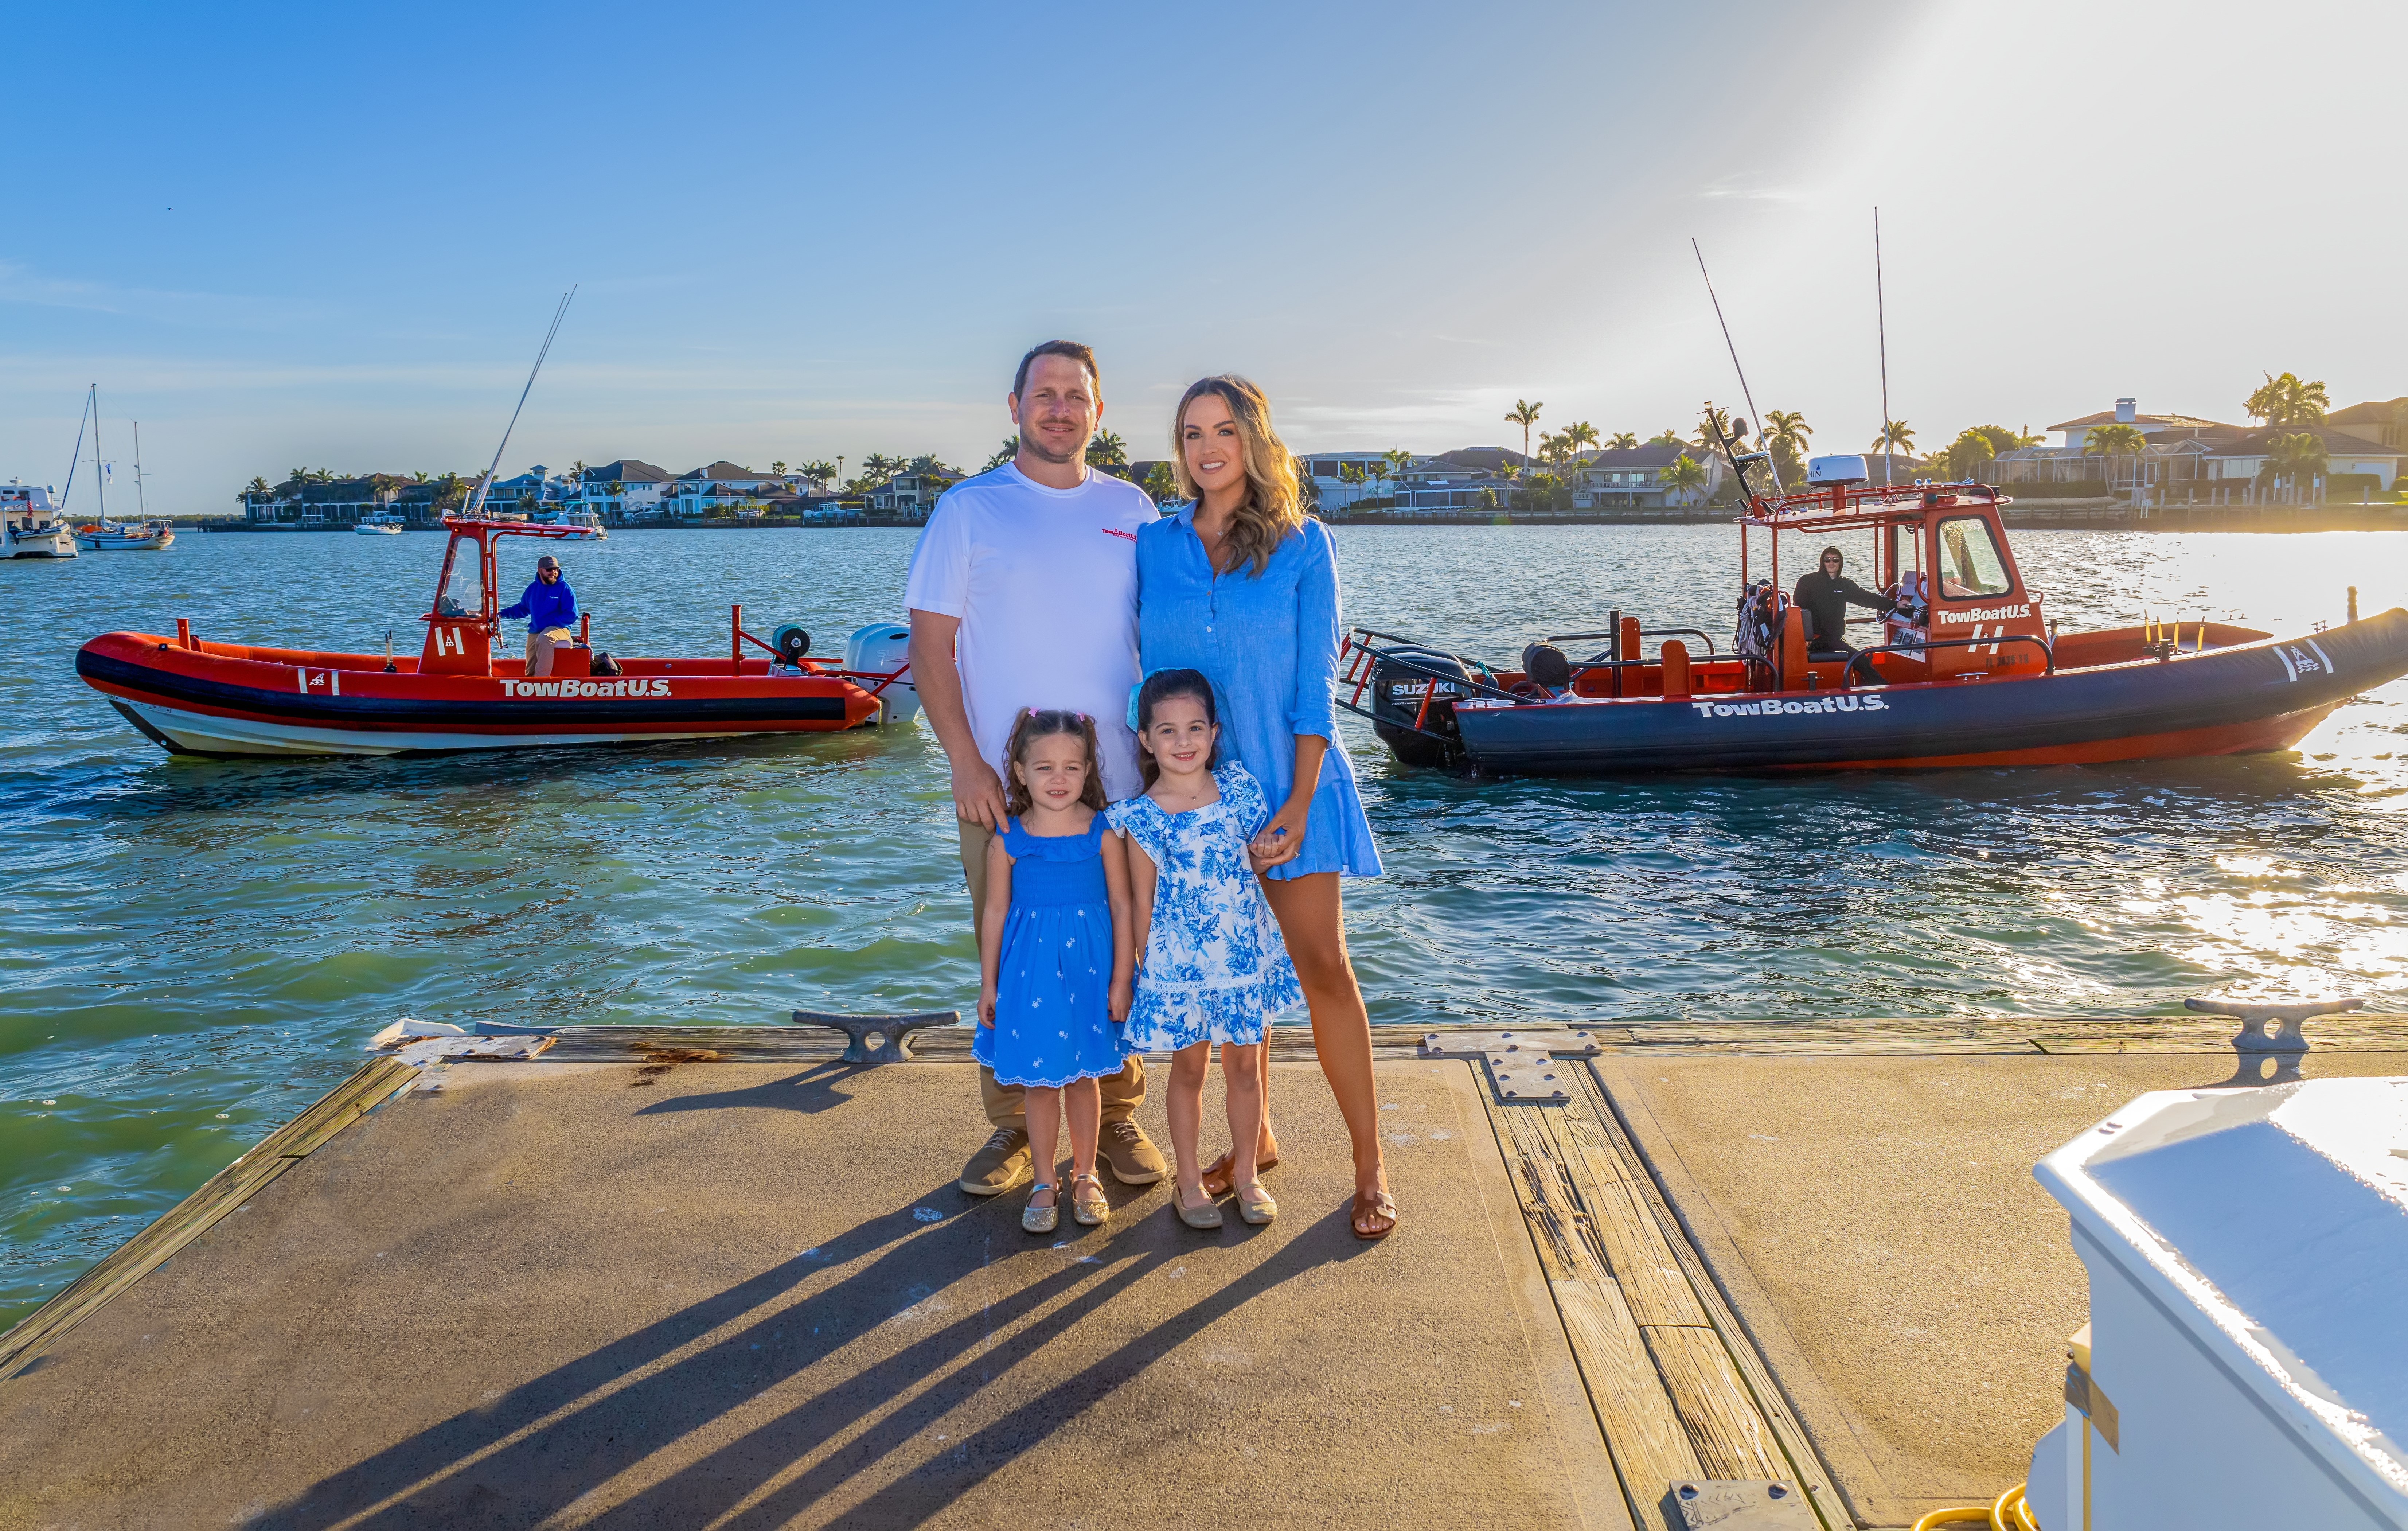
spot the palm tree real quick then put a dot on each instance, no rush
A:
(1714, 428)
(1968, 452)
(1526, 415)
(2287, 401)
(878, 467)
(778, 468)
(2115, 439)
(1107, 451)
(1896, 437)
(2292, 459)
(418, 477)
(1161, 485)
(1005, 454)
(1683, 476)
(1352, 476)
(1623, 441)
(818, 474)
(257, 486)
(1398, 459)
(1580, 434)
(1669, 435)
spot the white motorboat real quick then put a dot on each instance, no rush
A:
(30, 527)
(377, 523)
(587, 524)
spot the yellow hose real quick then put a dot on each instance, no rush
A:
(2008, 1513)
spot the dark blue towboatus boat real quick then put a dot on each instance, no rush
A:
(1968, 669)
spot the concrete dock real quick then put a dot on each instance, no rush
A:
(679, 1276)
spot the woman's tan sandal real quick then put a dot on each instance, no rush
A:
(1206, 1217)
(1258, 1210)
(1376, 1204)
(1043, 1220)
(1088, 1211)
(1221, 1173)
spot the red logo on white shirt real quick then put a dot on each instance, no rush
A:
(1114, 531)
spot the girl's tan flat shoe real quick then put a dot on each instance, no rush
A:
(1206, 1217)
(1089, 1212)
(1256, 1211)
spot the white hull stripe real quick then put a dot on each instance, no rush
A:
(213, 735)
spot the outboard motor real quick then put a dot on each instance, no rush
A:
(881, 648)
(1401, 681)
(1547, 668)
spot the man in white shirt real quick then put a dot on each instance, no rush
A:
(1022, 593)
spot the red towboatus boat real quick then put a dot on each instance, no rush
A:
(202, 698)
(1968, 671)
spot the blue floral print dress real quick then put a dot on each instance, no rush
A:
(1216, 968)
(1053, 983)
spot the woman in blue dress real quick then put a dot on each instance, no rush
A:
(1243, 586)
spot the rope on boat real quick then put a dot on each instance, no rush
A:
(2008, 1513)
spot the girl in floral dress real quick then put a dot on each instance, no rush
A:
(1055, 958)
(1213, 969)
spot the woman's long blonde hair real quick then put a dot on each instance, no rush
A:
(1274, 504)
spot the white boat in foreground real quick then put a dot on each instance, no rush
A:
(30, 525)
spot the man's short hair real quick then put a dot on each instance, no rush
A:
(1084, 355)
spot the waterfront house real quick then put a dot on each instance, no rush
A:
(719, 489)
(2384, 422)
(1632, 478)
(2171, 467)
(2237, 474)
(910, 495)
(1334, 493)
(628, 489)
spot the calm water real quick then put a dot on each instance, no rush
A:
(193, 951)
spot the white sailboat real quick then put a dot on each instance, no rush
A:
(106, 536)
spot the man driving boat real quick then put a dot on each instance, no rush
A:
(550, 608)
(1825, 594)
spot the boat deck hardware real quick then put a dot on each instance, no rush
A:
(878, 1038)
(2271, 1028)
(1752, 1504)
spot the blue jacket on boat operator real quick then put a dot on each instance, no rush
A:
(546, 606)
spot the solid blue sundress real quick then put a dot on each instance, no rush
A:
(1216, 968)
(1053, 1016)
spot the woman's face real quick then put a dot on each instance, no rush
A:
(1210, 441)
(1179, 736)
(1054, 769)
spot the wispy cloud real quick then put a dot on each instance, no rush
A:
(22, 284)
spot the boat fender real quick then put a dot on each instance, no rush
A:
(605, 664)
(1546, 665)
(791, 642)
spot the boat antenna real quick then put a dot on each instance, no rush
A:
(1777, 485)
(141, 495)
(1881, 322)
(76, 457)
(487, 481)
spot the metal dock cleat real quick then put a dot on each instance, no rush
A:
(878, 1038)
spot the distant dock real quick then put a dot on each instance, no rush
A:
(685, 1276)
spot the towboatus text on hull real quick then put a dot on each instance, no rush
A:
(197, 697)
(1968, 669)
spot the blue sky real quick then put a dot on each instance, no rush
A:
(803, 231)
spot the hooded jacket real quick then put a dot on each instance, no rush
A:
(546, 606)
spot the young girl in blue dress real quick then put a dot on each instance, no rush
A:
(1213, 969)
(1053, 958)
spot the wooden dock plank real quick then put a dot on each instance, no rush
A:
(1635, 1415)
(368, 1087)
(1788, 1437)
(1630, 1245)
(1724, 1429)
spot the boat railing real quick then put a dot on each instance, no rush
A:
(1912, 650)
(1644, 632)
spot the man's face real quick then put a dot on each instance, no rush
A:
(1057, 411)
(548, 573)
(1832, 563)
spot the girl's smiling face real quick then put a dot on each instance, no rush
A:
(1053, 768)
(1179, 736)
(1209, 438)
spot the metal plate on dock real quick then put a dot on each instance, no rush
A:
(1467, 1043)
(1750, 1504)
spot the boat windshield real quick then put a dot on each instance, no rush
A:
(1969, 563)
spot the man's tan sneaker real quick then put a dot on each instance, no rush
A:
(1002, 1164)
(1130, 1154)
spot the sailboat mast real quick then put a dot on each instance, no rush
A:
(99, 473)
(141, 495)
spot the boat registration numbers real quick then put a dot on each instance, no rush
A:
(572, 690)
(1772, 708)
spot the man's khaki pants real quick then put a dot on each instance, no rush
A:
(539, 647)
(1123, 1092)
